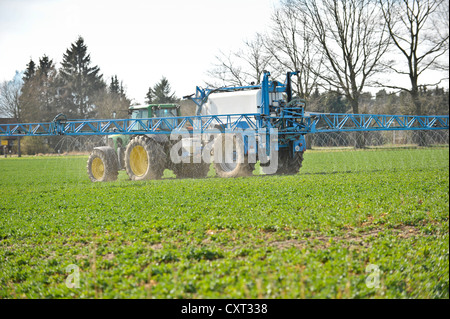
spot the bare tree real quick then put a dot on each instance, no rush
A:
(442, 27)
(9, 99)
(242, 67)
(352, 35)
(292, 48)
(421, 37)
(225, 71)
(256, 57)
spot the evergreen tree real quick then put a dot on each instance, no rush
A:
(29, 71)
(161, 93)
(112, 101)
(150, 96)
(114, 87)
(39, 90)
(81, 81)
(330, 102)
(381, 97)
(122, 91)
(386, 103)
(45, 67)
(29, 96)
(46, 75)
(335, 104)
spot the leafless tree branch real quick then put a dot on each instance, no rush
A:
(9, 99)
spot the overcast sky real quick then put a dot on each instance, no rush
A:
(140, 41)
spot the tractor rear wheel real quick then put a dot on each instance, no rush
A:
(144, 159)
(102, 165)
(231, 162)
(287, 165)
(191, 170)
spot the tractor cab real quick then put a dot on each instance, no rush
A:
(165, 111)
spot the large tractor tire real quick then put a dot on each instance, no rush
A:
(102, 165)
(191, 170)
(144, 159)
(287, 165)
(237, 164)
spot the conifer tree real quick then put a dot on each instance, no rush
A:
(150, 96)
(29, 71)
(81, 81)
(46, 75)
(114, 87)
(38, 100)
(161, 93)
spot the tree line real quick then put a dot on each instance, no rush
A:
(434, 100)
(339, 48)
(342, 47)
(77, 89)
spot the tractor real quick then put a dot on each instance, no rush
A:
(143, 156)
(234, 127)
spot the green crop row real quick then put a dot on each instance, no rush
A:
(351, 224)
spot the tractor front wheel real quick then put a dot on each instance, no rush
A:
(102, 165)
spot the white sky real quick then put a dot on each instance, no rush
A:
(140, 41)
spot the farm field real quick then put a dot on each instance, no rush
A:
(352, 224)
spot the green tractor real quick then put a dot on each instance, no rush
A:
(143, 156)
(120, 141)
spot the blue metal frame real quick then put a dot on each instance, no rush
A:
(333, 122)
(294, 124)
(199, 124)
(291, 121)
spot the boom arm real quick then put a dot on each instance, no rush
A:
(287, 116)
(331, 122)
(300, 124)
